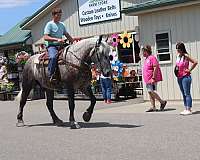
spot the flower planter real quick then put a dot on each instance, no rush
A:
(12, 75)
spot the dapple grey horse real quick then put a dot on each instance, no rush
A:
(75, 74)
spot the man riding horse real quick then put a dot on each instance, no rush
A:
(74, 72)
(53, 36)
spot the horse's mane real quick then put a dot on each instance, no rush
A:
(83, 47)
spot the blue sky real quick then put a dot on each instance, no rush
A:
(13, 11)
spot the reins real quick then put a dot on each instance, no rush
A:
(97, 46)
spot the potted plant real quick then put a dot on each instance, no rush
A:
(22, 57)
(9, 86)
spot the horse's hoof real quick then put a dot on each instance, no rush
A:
(20, 123)
(58, 122)
(87, 116)
(74, 125)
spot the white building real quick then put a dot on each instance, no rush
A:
(162, 23)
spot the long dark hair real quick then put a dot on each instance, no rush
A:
(180, 46)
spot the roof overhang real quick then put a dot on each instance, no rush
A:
(40, 13)
(157, 5)
(17, 43)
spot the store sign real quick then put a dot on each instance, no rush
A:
(91, 11)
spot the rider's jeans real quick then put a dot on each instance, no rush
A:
(52, 51)
(106, 86)
(185, 85)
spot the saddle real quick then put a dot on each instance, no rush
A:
(44, 58)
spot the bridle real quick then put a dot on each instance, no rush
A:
(95, 51)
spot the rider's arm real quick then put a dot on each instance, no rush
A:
(49, 38)
(69, 37)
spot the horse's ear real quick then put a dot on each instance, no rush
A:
(99, 41)
(106, 39)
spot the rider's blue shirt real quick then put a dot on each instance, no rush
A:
(55, 30)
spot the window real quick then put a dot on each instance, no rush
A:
(163, 46)
(131, 54)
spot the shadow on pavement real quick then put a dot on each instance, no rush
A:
(196, 112)
(167, 109)
(88, 125)
(106, 124)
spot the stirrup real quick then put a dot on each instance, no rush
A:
(52, 79)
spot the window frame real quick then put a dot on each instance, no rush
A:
(170, 46)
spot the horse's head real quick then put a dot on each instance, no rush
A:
(100, 56)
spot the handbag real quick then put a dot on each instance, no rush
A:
(176, 67)
(176, 71)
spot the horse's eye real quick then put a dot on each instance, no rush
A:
(110, 57)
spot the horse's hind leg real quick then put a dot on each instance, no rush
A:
(49, 103)
(26, 88)
(73, 123)
(87, 115)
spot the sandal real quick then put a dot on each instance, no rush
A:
(151, 110)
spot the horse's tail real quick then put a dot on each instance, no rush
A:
(18, 97)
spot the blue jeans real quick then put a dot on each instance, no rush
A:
(185, 85)
(52, 52)
(106, 86)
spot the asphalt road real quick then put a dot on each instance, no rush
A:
(118, 131)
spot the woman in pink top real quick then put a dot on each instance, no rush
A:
(152, 74)
(184, 78)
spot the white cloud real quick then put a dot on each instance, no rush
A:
(14, 3)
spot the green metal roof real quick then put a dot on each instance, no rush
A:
(37, 12)
(152, 4)
(15, 35)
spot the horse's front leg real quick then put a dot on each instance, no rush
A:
(73, 123)
(23, 95)
(49, 103)
(88, 114)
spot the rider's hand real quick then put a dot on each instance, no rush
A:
(60, 40)
(152, 81)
